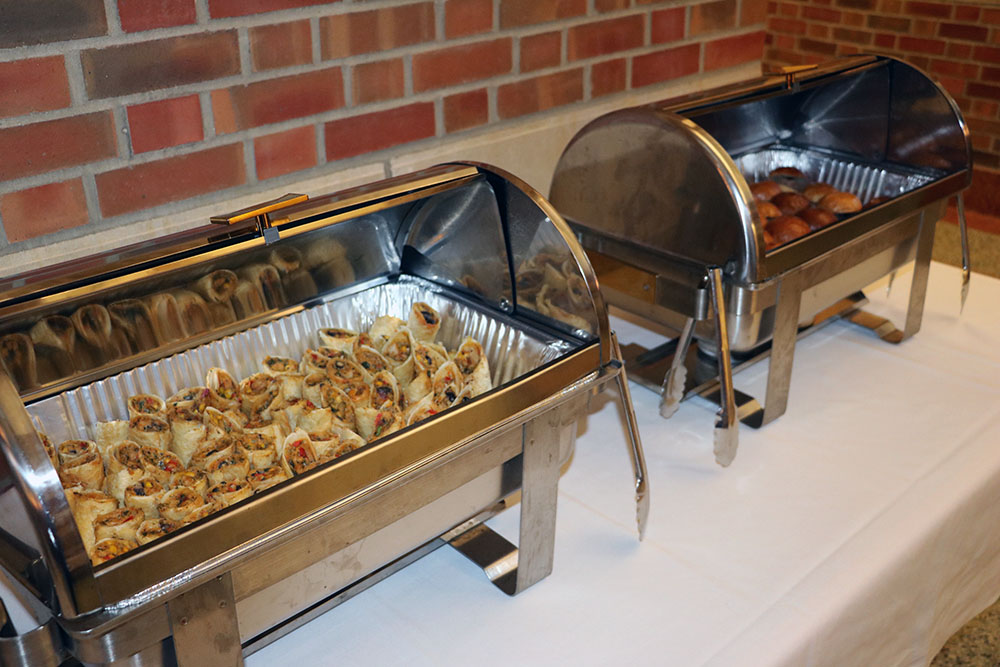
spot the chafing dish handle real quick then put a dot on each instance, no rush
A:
(726, 430)
(966, 264)
(39, 647)
(636, 454)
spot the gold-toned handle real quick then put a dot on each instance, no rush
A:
(258, 210)
(788, 71)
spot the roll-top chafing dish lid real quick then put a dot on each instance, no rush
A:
(666, 185)
(78, 337)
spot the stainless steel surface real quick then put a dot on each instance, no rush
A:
(672, 391)
(203, 622)
(726, 434)
(966, 263)
(40, 646)
(636, 455)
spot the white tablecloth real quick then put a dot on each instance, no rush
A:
(861, 528)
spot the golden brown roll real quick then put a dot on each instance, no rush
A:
(358, 392)
(446, 385)
(160, 463)
(817, 217)
(196, 398)
(178, 502)
(153, 529)
(17, 356)
(87, 470)
(790, 203)
(210, 507)
(340, 403)
(370, 359)
(375, 423)
(265, 478)
(109, 549)
(817, 191)
(269, 428)
(149, 430)
(188, 431)
(789, 177)
(423, 322)
(787, 228)
(228, 468)
(312, 387)
(147, 404)
(383, 329)
(343, 371)
(212, 450)
(218, 286)
(192, 478)
(399, 351)
(220, 424)
(337, 339)
(385, 387)
(225, 389)
(125, 467)
(259, 449)
(71, 449)
(256, 394)
(108, 434)
(120, 523)
(87, 506)
(766, 210)
(134, 318)
(475, 367)
(311, 419)
(841, 202)
(279, 365)
(145, 495)
(98, 343)
(230, 492)
(764, 190)
(297, 453)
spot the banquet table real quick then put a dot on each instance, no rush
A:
(860, 528)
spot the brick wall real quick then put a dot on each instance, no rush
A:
(114, 111)
(957, 43)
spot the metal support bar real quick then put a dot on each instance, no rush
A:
(39, 647)
(786, 326)
(204, 626)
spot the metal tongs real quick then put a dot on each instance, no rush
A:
(726, 433)
(636, 456)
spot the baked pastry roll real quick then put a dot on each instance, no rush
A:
(87, 470)
(230, 492)
(358, 392)
(383, 329)
(337, 339)
(225, 389)
(212, 450)
(109, 549)
(475, 368)
(192, 478)
(54, 340)
(312, 387)
(149, 430)
(86, 506)
(145, 495)
(256, 394)
(268, 428)
(159, 463)
(370, 359)
(49, 448)
(349, 441)
(268, 281)
(147, 404)
(345, 371)
(99, 341)
(424, 408)
(119, 523)
(265, 478)
(179, 502)
(279, 365)
(385, 387)
(188, 431)
(125, 467)
(313, 419)
(398, 350)
(210, 507)
(248, 300)
(259, 449)
(196, 398)
(109, 434)
(423, 321)
(286, 259)
(71, 449)
(153, 529)
(297, 453)
(426, 360)
(375, 423)
(219, 424)
(446, 385)
(17, 356)
(340, 403)
(166, 316)
(134, 318)
(228, 468)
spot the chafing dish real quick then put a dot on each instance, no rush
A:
(467, 240)
(660, 198)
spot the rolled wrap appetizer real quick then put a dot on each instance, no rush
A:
(109, 549)
(297, 453)
(259, 449)
(125, 468)
(54, 340)
(265, 478)
(179, 502)
(225, 389)
(87, 470)
(268, 281)
(337, 339)
(399, 351)
(212, 450)
(159, 463)
(235, 466)
(472, 362)
(248, 300)
(218, 286)
(154, 529)
(109, 434)
(145, 495)
(149, 430)
(188, 432)
(87, 506)
(192, 478)
(147, 404)
(134, 318)
(383, 329)
(193, 311)
(424, 322)
(257, 392)
(120, 523)
(230, 492)
(166, 316)
(17, 356)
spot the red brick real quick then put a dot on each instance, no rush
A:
(540, 51)
(923, 62)
(983, 90)
(893, 23)
(847, 50)
(854, 36)
(45, 21)
(164, 123)
(991, 16)
(163, 63)
(607, 77)
(610, 5)
(282, 45)
(924, 28)
(933, 46)
(753, 12)
(955, 69)
(787, 25)
(984, 108)
(990, 74)
(892, 6)
(461, 64)
(865, 5)
(936, 10)
(736, 50)
(966, 13)
(853, 19)
(959, 31)
(275, 100)
(788, 9)
(786, 42)
(36, 84)
(712, 16)
(815, 46)
(667, 25)
(820, 14)
(378, 130)
(514, 13)
(43, 210)
(467, 17)
(55, 144)
(376, 30)
(137, 15)
(959, 51)
(465, 110)
(172, 179)
(540, 93)
(818, 31)
(980, 126)
(885, 41)
(225, 8)
(665, 65)
(603, 37)
(381, 80)
(284, 152)
(952, 85)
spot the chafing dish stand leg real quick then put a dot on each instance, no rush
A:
(204, 626)
(39, 647)
(512, 568)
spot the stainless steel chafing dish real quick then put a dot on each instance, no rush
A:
(660, 198)
(468, 240)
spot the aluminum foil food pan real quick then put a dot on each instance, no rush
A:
(511, 348)
(864, 180)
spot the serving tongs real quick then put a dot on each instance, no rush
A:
(726, 437)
